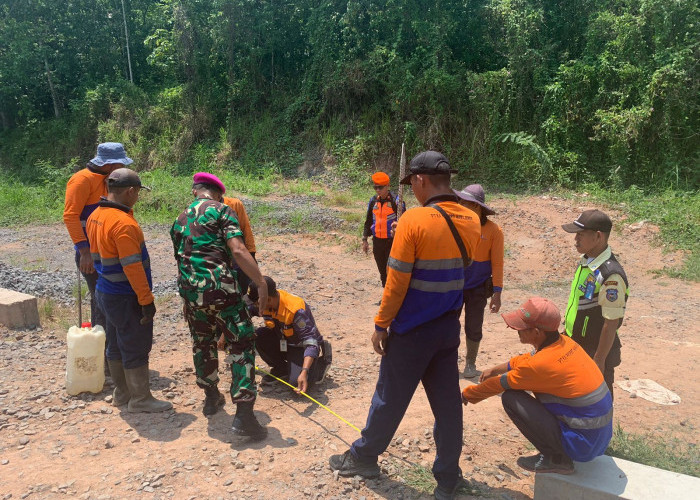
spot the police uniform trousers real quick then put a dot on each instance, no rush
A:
(381, 248)
(128, 340)
(427, 354)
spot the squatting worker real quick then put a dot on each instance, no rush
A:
(381, 212)
(290, 342)
(417, 330)
(83, 193)
(598, 295)
(206, 237)
(124, 291)
(570, 415)
(484, 278)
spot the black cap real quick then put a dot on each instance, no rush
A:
(428, 163)
(125, 177)
(595, 220)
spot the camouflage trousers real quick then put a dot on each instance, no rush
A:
(206, 324)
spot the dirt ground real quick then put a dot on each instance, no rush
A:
(53, 445)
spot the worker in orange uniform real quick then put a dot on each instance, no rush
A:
(417, 330)
(484, 277)
(569, 415)
(381, 213)
(83, 193)
(123, 291)
(248, 239)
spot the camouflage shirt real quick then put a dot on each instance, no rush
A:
(199, 235)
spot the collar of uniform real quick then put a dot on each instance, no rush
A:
(441, 197)
(598, 261)
(104, 202)
(388, 197)
(94, 170)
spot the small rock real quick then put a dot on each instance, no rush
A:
(4, 461)
(23, 440)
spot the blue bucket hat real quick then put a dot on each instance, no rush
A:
(111, 152)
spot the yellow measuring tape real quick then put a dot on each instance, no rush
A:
(307, 396)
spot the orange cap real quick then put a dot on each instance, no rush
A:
(536, 312)
(380, 179)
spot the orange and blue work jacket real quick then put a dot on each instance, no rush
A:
(425, 272)
(487, 259)
(83, 193)
(381, 212)
(293, 319)
(119, 252)
(570, 386)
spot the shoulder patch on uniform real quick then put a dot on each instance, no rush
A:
(611, 295)
(610, 283)
(300, 322)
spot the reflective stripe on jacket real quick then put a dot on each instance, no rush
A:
(380, 215)
(584, 317)
(425, 272)
(570, 386)
(119, 252)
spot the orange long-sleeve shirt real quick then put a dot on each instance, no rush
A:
(83, 193)
(425, 272)
(243, 221)
(488, 259)
(119, 252)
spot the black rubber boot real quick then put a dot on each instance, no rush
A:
(121, 394)
(245, 424)
(213, 401)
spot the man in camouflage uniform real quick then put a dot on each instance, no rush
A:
(205, 237)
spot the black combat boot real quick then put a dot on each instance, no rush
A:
(213, 401)
(245, 423)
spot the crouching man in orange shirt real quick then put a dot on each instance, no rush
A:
(570, 415)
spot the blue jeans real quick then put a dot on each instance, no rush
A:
(127, 339)
(426, 354)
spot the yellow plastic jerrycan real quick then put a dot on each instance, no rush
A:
(86, 358)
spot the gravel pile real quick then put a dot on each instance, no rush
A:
(58, 285)
(55, 284)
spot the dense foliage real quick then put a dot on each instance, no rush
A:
(516, 92)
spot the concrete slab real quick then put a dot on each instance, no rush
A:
(18, 310)
(607, 478)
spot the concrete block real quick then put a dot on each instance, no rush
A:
(607, 478)
(18, 310)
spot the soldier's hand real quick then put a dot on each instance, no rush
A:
(365, 246)
(379, 342)
(86, 265)
(221, 344)
(147, 312)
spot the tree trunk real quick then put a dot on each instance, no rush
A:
(53, 91)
